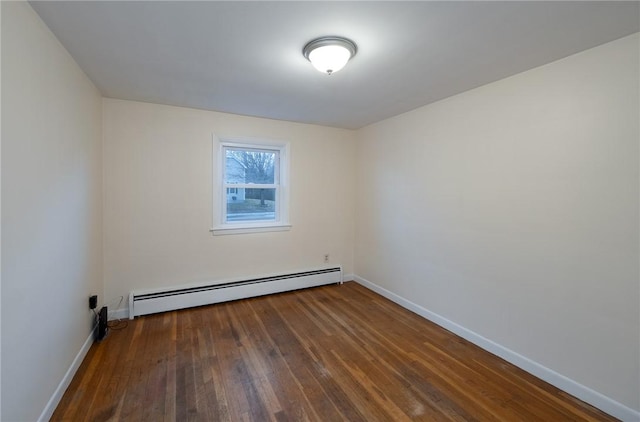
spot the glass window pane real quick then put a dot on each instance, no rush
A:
(251, 205)
(250, 166)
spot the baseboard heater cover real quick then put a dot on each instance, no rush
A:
(154, 301)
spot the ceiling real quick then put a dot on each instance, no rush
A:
(246, 57)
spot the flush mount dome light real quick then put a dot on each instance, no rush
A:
(329, 54)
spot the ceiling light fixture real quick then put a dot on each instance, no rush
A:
(329, 54)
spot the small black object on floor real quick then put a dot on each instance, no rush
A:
(103, 329)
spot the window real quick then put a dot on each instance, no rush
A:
(254, 192)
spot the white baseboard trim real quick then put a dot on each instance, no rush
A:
(66, 380)
(122, 313)
(580, 391)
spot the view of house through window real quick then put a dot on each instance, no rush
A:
(251, 182)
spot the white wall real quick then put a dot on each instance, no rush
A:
(512, 210)
(158, 198)
(51, 211)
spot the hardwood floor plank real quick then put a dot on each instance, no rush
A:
(170, 324)
(332, 353)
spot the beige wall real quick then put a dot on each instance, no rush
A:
(51, 211)
(158, 198)
(512, 210)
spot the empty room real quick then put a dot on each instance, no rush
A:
(320, 211)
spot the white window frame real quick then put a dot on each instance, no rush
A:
(281, 184)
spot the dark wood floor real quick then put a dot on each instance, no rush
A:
(330, 353)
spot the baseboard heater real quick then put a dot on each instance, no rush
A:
(154, 301)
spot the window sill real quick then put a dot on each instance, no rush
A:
(259, 228)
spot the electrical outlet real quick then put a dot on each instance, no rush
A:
(326, 258)
(93, 302)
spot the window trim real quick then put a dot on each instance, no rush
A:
(220, 226)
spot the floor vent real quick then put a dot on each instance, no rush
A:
(154, 301)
